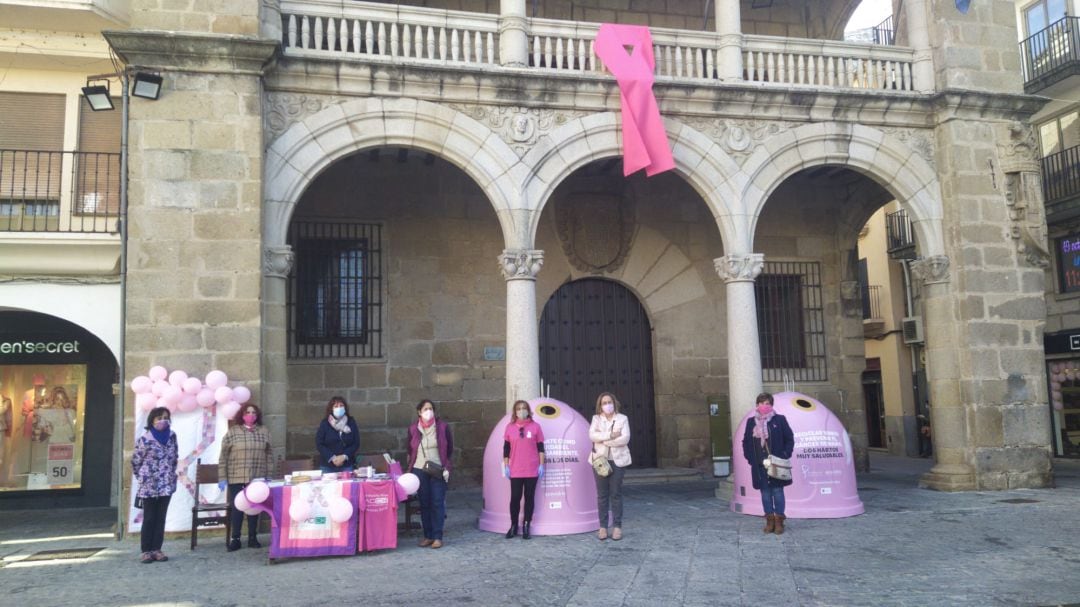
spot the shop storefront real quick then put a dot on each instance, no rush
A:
(1063, 377)
(56, 413)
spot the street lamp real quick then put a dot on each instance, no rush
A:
(97, 95)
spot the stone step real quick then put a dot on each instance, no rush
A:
(645, 476)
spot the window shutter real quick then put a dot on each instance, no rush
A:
(31, 142)
(98, 168)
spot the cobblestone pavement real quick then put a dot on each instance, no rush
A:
(682, 547)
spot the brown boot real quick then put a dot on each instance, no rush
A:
(770, 523)
(778, 529)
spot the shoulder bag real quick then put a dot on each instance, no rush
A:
(430, 468)
(778, 468)
(600, 463)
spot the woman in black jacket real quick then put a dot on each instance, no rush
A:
(338, 437)
(766, 427)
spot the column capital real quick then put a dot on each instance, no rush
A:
(521, 264)
(739, 267)
(278, 261)
(932, 270)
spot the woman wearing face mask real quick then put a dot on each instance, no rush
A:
(430, 441)
(523, 464)
(245, 456)
(337, 438)
(154, 465)
(610, 435)
(768, 433)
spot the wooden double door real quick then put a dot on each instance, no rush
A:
(595, 337)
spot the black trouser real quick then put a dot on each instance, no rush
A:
(516, 486)
(609, 490)
(236, 515)
(153, 524)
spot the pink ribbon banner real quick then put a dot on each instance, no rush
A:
(627, 51)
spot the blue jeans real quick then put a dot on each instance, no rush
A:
(772, 498)
(432, 496)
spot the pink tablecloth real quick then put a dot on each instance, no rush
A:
(374, 519)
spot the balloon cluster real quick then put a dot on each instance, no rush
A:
(177, 391)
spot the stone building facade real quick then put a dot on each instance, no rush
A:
(475, 151)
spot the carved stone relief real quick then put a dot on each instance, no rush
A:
(285, 109)
(931, 270)
(519, 127)
(595, 230)
(920, 142)
(738, 137)
(521, 264)
(1023, 195)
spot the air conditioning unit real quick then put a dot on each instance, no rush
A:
(911, 327)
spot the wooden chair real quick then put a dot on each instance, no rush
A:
(207, 515)
(412, 504)
(291, 465)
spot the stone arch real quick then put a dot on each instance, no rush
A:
(702, 162)
(897, 168)
(310, 146)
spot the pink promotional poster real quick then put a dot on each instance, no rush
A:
(823, 470)
(566, 495)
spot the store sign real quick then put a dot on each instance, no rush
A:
(60, 466)
(39, 347)
(1069, 264)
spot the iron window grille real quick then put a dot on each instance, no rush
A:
(334, 294)
(791, 322)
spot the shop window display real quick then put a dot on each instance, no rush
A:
(41, 426)
(1065, 406)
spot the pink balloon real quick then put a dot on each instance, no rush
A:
(191, 385)
(177, 377)
(172, 394)
(216, 379)
(241, 394)
(158, 387)
(341, 509)
(145, 401)
(410, 482)
(299, 511)
(162, 402)
(229, 410)
(223, 395)
(158, 373)
(205, 397)
(141, 384)
(188, 403)
(1058, 405)
(257, 492)
(242, 502)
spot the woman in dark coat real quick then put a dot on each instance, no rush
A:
(337, 438)
(768, 427)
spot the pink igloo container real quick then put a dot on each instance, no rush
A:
(823, 469)
(566, 496)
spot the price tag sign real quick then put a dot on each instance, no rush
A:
(60, 468)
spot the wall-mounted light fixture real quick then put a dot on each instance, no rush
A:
(147, 85)
(97, 95)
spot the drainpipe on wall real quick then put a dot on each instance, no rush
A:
(121, 519)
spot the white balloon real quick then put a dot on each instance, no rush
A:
(410, 482)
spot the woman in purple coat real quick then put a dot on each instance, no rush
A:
(431, 444)
(154, 465)
(768, 434)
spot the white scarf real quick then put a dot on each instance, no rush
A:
(341, 425)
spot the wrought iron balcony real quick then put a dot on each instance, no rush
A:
(899, 234)
(71, 192)
(1051, 55)
(397, 34)
(1061, 184)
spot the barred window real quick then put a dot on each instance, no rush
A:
(791, 322)
(334, 294)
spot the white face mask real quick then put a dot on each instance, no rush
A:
(607, 408)
(427, 414)
(339, 411)
(523, 414)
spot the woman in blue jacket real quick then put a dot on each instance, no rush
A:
(338, 438)
(767, 427)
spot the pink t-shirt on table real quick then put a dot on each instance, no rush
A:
(524, 459)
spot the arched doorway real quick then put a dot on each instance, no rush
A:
(595, 336)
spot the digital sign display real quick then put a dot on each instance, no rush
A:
(1069, 263)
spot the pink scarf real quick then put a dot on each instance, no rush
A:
(761, 426)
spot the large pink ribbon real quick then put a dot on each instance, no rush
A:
(645, 144)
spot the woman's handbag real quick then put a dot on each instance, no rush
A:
(600, 465)
(430, 468)
(778, 468)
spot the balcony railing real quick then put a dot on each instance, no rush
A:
(1052, 54)
(885, 32)
(871, 302)
(371, 31)
(899, 235)
(59, 191)
(1061, 175)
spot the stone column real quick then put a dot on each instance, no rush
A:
(922, 70)
(277, 263)
(729, 27)
(519, 268)
(513, 36)
(948, 415)
(744, 353)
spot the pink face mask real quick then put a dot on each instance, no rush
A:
(607, 408)
(250, 419)
(764, 409)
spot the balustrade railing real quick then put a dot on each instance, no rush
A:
(1061, 175)
(1051, 51)
(367, 30)
(59, 191)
